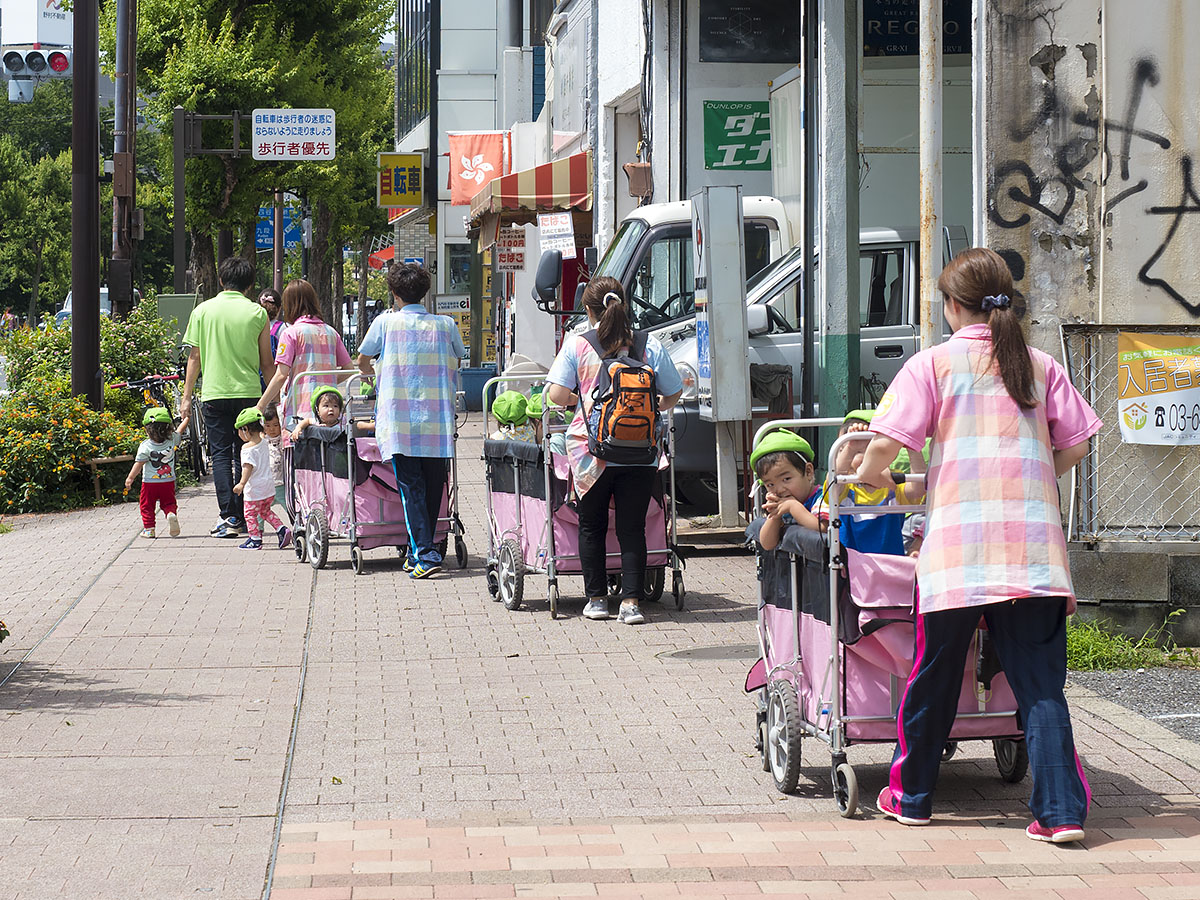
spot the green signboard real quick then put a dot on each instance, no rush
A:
(737, 135)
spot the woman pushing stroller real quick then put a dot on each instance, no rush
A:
(1005, 422)
(581, 372)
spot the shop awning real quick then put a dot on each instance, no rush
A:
(517, 198)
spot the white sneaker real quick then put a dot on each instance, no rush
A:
(173, 524)
(597, 608)
(147, 532)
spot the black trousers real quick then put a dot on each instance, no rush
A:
(225, 450)
(629, 487)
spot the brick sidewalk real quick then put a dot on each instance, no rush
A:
(446, 747)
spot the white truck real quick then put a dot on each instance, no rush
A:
(651, 255)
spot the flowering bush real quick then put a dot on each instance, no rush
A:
(139, 345)
(46, 440)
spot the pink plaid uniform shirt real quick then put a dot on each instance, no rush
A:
(309, 345)
(994, 531)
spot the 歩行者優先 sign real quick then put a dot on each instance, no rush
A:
(293, 135)
(737, 135)
(399, 181)
(1158, 388)
(557, 233)
(510, 250)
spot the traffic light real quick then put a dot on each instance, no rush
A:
(35, 62)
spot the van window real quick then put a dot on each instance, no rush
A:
(662, 287)
(881, 287)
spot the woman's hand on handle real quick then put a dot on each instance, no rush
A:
(880, 454)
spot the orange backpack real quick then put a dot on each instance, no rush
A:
(622, 424)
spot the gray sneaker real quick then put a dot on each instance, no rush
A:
(630, 614)
(597, 608)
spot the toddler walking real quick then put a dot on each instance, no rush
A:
(273, 431)
(257, 486)
(158, 482)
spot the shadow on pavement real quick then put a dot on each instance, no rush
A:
(39, 687)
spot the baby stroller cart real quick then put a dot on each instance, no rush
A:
(532, 524)
(343, 488)
(836, 634)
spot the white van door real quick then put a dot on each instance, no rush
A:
(887, 336)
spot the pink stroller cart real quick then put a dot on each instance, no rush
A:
(343, 488)
(533, 527)
(835, 630)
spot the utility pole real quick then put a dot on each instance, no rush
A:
(931, 170)
(120, 273)
(277, 253)
(85, 207)
(840, 40)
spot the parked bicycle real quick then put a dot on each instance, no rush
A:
(154, 392)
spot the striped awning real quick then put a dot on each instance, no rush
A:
(555, 186)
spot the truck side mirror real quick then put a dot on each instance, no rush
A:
(758, 320)
(579, 289)
(547, 280)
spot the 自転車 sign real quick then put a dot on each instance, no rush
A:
(399, 182)
(1158, 388)
(293, 135)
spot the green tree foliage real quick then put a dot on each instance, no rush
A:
(216, 56)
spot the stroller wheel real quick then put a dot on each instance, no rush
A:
(677, 590)
(949, 750)
(300, 545)
(493, 581)
(845, 789)
(614, 585)
(553, 597)
(762, 744)
(460, 552)
(318, 539)
(652, 587)
(1012, 759)
(511, 574)
(356, 559)
(783, 736)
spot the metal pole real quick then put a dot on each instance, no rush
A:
(931, 169)
(85, 207)
(179, 123)
(120, 276)
(840, 43)
(279, 245)
(477, 301)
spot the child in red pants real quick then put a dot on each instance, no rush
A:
(158, 481)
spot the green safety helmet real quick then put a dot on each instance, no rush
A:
(859, 415)
(510, 408)
(322, 391)
(781, 441)
(533, 407)
(248, 415)
(904, 464)
(156, 414)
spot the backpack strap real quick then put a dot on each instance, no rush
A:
(593, 338)
(637, 347)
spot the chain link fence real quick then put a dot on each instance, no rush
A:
(1126, 492)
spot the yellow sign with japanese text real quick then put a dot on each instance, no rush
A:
(1158, 388)
(400, 179)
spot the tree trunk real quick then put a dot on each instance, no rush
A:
(35, 288)
(364, 270)
(320, 266)
(339, 291)
(204, 264)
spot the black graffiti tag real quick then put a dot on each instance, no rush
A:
(1189, 205)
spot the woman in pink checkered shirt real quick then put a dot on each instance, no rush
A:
(1005, 422)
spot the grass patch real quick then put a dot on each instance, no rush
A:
(5, 528)
(1091, 646)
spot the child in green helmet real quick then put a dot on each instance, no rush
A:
(158, 482)
(327, 405)
(257, 486)
(783, 462)
(511, 411)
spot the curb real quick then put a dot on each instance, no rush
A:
(1135, 725)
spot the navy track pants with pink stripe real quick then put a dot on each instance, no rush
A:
(1030, 636)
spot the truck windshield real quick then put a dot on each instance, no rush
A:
(623, 246)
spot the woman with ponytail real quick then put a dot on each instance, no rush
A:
(1005, 422)
(574, 377)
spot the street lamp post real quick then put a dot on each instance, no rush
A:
(85, 207)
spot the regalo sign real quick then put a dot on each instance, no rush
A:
(1158, 388)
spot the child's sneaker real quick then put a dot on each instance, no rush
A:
(173, 524)
(147, 532)
(250, 544)
(1061, 834)
(285, 537)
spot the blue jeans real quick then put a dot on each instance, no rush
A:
(225, 450)
(1030, 635)
(421, 480)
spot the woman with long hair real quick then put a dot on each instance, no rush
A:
(306, 345)
(1005, 422)
(574, 377)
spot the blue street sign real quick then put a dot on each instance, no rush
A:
(264, 228)
(418, 260)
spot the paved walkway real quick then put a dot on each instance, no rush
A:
(152, 744)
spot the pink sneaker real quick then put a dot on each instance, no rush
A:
(890, 807)
(1063, 834)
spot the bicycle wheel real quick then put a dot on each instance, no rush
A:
(198, 442)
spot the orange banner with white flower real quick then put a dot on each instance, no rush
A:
(475, 159)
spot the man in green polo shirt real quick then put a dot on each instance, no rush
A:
(230, 337)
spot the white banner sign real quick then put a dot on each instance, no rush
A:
(294, 135)
(510, 250)
(557, 233)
